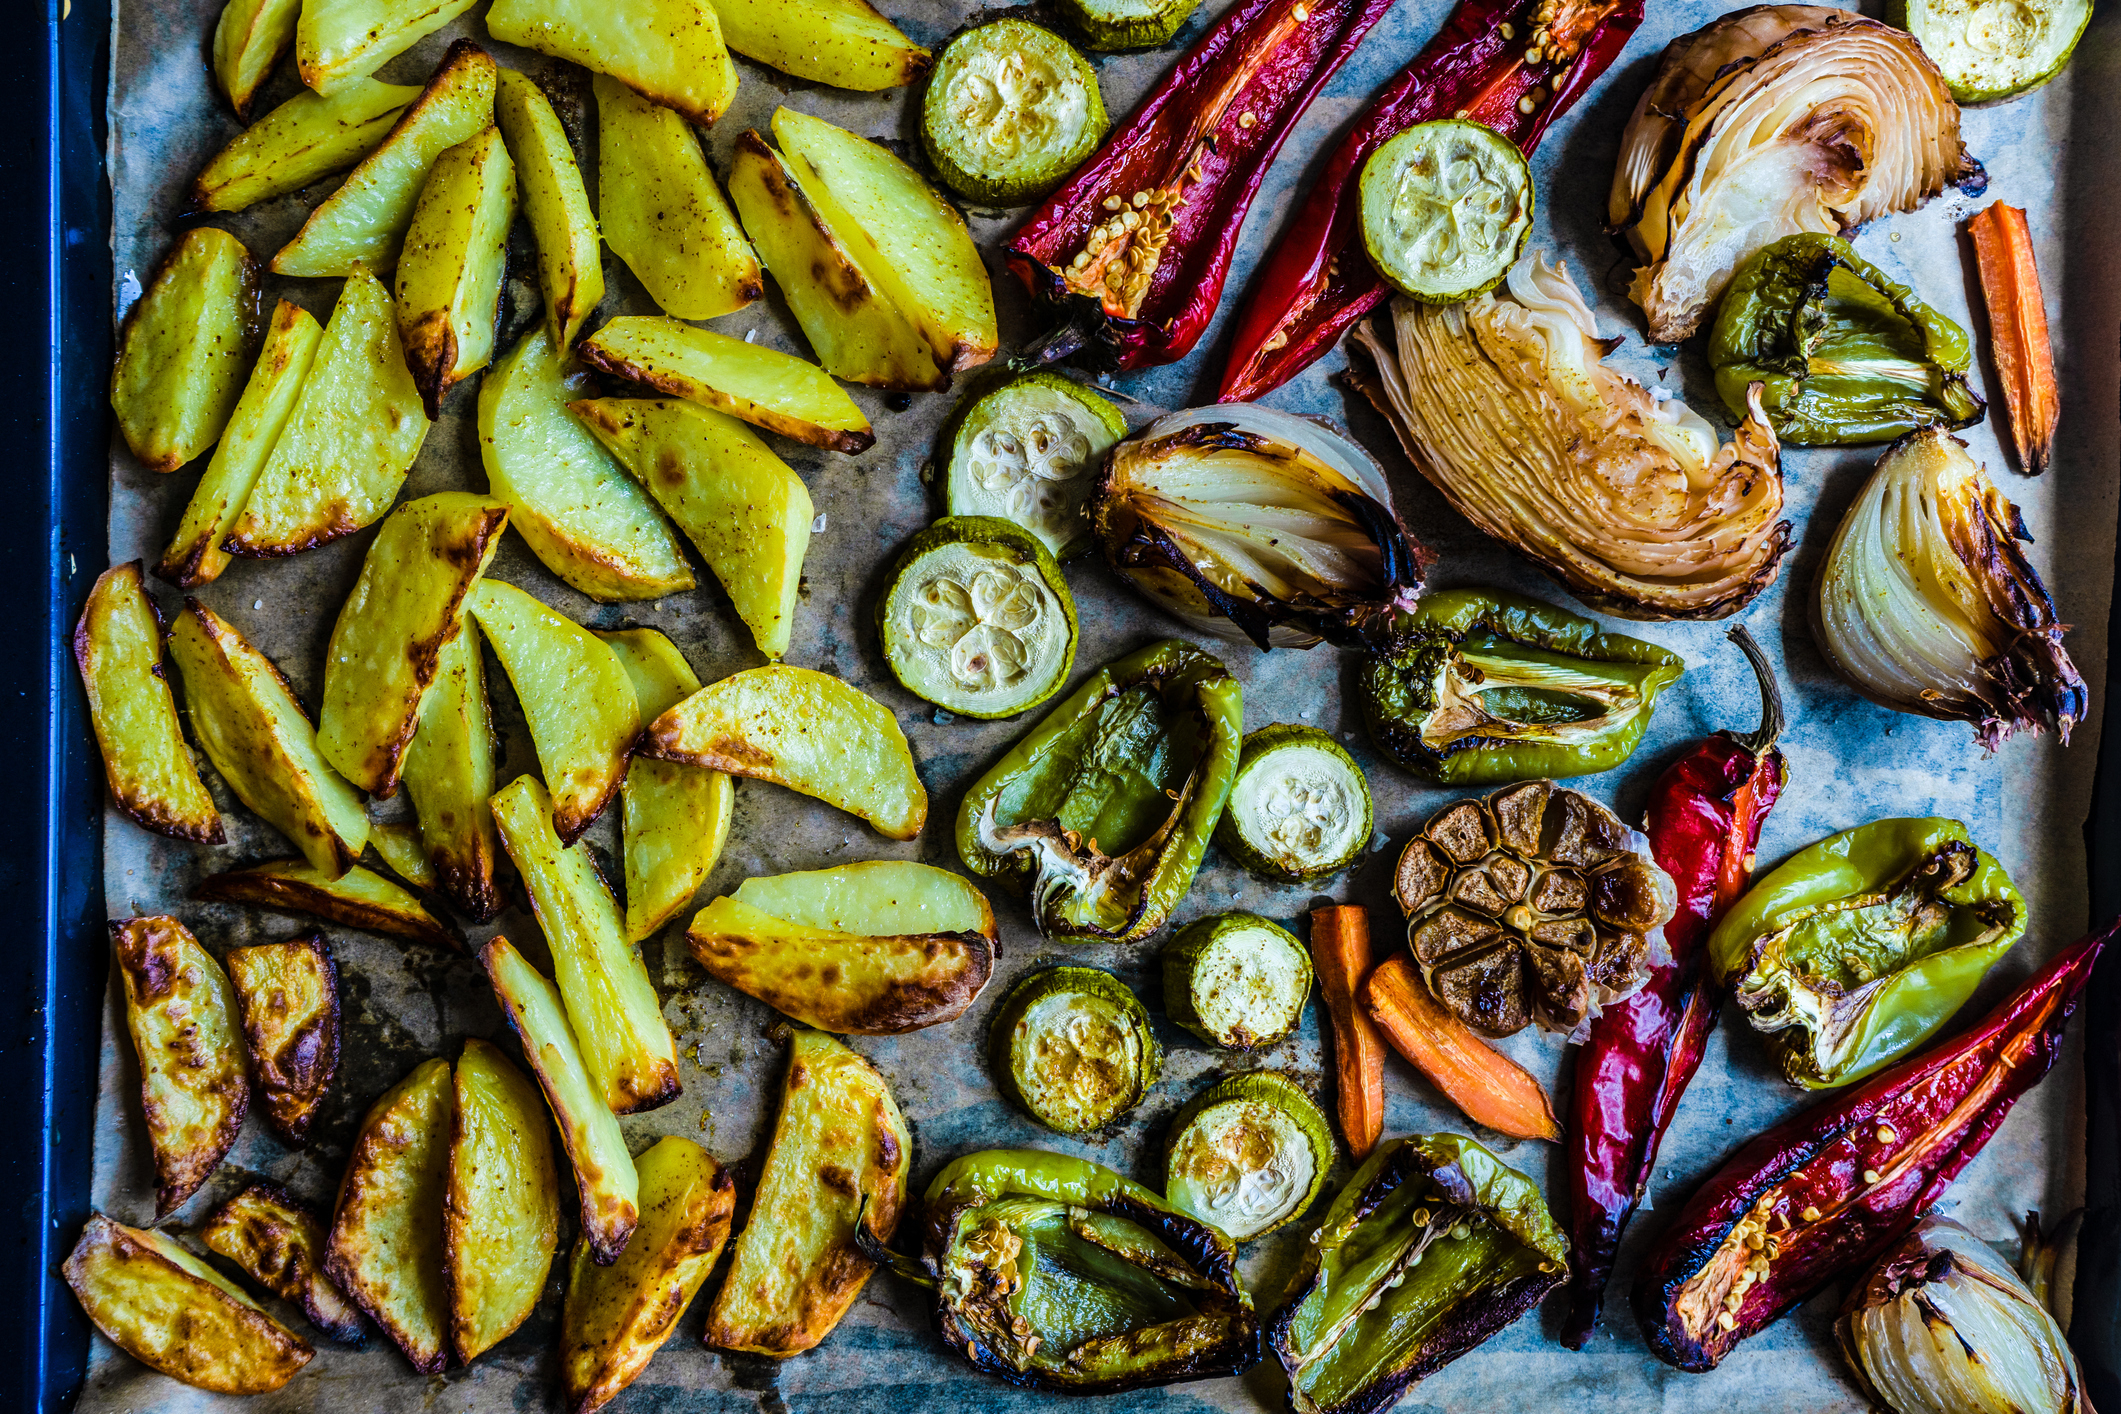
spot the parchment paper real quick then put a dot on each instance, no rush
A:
(2053, 153)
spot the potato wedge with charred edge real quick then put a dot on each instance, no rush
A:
(764, 387)
(845, 43)
(174, 1313)
(570, 254)
(290, 997)
(148, 767)
(804, 730)
(662, 212)
(359, 898)
(839, 1143)
(604, 1174)
(398, 844)
(386, 1244)
(449, 774)
(340, 41)
(386, 646)
(248, 40)
(250, 725)
(669, 51)
(185, 348)
(449, 276)
(279, 1244)
(364, 221)
(307, 137)
(501, 1219)
(617, 1317)
(181, 1013)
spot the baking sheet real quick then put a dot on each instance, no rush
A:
(2051, 153)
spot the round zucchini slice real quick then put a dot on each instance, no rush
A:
(977, 619)
(1446, 207)
(1236, 980)
(1009, 111)
(1028, 453)
(1299, 806)
(1072, 1048)
(1990, 50)
(1248, 1155)
(1127, 24)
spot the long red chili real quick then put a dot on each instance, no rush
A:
(1828, 1190)
(1704, 819)
(1515, 66)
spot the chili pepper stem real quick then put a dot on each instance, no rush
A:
(1771, 720)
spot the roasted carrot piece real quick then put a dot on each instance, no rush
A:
(2017, 329)
(1340, 956)
(1490, 1087)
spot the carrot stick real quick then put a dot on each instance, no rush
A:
(2017, 327)
(1340, 955)
(1491, 1088)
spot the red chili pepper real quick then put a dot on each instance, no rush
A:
(1703, 821)
(1830, 1189)
(1317, 281)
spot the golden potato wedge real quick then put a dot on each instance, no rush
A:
(604, 1174)
(307, 137)
(249, 39)
(359, 898)
(662, 212)
(617, 1317)
(449, 276)
(844, 43)
(248, 722)
(669, 51)
(386, 1244)
(747, 514)
(611, 1004)
(574, 696)
(364, 221)
(341, 41)
(290, 998)
(184, 349)
(501, 1219)
(174, 1313)
(386, 646)
(148, 767)
(587, 520)
(343, 453)
(839, 1141)
(279, 1244)
(449, 772)
(570, 256)
(763, 386)
(181, 1013)
(399, 845)
(804, 730)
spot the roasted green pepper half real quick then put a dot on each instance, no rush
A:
(1854, 951)
(1106, 806)
(1434, 1245)
(1481, 687)
(1846, 356)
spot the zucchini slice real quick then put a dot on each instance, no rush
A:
(1072, 1048)
(1990, 50)
(1127, 24)
(977, 618)
(1010, 110)
(1249, 1154)
(1028, 453)
(1299, 806)
(1446, 207)
(1236, 980)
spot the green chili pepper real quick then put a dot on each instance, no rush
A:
(1857, 949)
(1845, 356)
(1106, 806)
(1482, 687)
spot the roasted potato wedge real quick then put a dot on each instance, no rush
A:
(150, 771)
(386, 1248)
(307, 137)
(290, 999)
(747, 514)
(174, 1313)
(764, 387)
(662, 212)
(250, 725)
(840, 1142)
(575, 697)
(341, 41)
(570, 256)
(249, 39)
(359, 898)
(804, 730)
(399, 845)
(279, 1244)
(364, 221)
(449, 773)
(184, 349)
(501, 1221)
(449, 276)
(617, 1317)
(581, 514)
(669, 51)
(604, 1174)
(181, 1013)
(844, 43)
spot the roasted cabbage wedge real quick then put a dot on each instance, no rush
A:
(182, 1015)
(399, 845)
(449, 770)
(146, 763)
(253, 729)
(617, 1317)
(449, 275)
(249, 39)
(747, 514)
(662, 212)
(611, 1004)
(875, 949)
(359, 898)
(289, 993)
(341, 41)
(555, 202)
(174, 1313)
(386, 1248)
(501, 1212)
(799, 728)
(279, 1244)
(668, 51)
(183, 349)
(844, 43)
(841, 1153)
(307, 137)
(764, 387)
(604, 1174)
